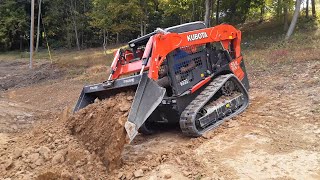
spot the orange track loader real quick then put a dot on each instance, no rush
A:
(187, 74)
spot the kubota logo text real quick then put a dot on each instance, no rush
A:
(193, 37)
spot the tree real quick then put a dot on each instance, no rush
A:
(208, 4)
(307, 8)
(13, 24)
(294, 20)
(285, 15)
(313, 4)
(38, 26)
(217, 12)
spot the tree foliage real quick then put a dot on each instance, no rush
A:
(89, 23)
(13, 24)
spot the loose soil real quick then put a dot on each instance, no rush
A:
(100, 126)
(277, 137)
(17, 74)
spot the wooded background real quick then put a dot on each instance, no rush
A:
(90, 23)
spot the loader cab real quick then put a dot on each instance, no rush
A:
(138, 45)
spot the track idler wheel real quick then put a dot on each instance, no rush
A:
(228, 88)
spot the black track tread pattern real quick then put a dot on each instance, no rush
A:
(188, 116)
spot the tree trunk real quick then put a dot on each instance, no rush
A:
(73, 8)
(193, 9)
(76, 33)
(141, 27)
(313, 3)
(117, 38)
(294, 19)
(212, 11)
(21, 42)
(145, 28)
(105, 41)
(279, 9)
(207, 13)
(285, 16)
(38, 28)
(217, 12)
(261, 14)
(156, 5)
(307, 8)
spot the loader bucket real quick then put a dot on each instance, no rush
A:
(100, 91)
(147, 98)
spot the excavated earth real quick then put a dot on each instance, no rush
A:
(277, 137)
(100, 126)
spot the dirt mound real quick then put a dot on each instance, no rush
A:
(100, 126)
(48, 150)
(17, 74)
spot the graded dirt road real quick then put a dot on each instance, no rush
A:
(277, 137)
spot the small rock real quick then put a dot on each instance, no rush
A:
(26, 177)
(81, 177)
(145, 168)
(206, 178)
(90, 115)
(65, 174)
(120, 175)
(17, 153)
(130, 98)
(67, 139)
(57, 141)
(27, 151)
(32, 165)
(18, 165)
(58, 158)
(45, 152)
(62, 146)
(129, 175)
(178, 160)
(125, 114)
(186, 173)
(8, 164)
(90, 168)
(80, 163)
(39, 162)
(34, 157)
(96, 100)
(14, 127)
(121, 122)
(19, 172)
(167, 176)
(125, 108)
(138, 173)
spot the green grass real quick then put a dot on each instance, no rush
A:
(67, 58)
(263, 45)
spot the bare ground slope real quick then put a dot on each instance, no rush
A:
(276, 138)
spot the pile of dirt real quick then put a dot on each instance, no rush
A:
(48, 151)
(18, 74)
(86, 145)
(100, 126)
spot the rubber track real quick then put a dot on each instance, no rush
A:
(188, 116)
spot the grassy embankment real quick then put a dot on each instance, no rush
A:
(262, 44)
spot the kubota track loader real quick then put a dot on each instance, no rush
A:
(188, 73)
